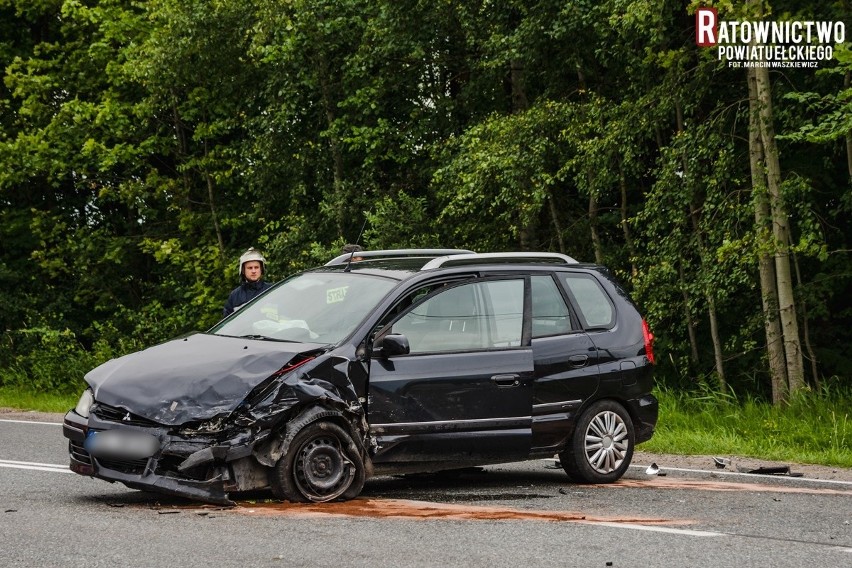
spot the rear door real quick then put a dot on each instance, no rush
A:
(566, 360)
(463, 394)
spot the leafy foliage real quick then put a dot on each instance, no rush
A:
(144, 146)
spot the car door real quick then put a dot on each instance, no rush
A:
(463, 393)
(566, 361)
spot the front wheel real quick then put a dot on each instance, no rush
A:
(322, 464)
(601, 445)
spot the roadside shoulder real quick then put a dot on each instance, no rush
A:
(741, 464)
(30, 415)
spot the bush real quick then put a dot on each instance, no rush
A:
(45, 360)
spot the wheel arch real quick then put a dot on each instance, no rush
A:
(279, 442)
(624, 403)
(575, 459)
(643, 415)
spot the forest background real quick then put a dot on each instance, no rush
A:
(145, 144)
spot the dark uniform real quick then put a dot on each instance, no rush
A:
(247, 289)
(243, 293)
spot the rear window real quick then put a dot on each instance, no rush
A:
(549, 312)
(593, 302)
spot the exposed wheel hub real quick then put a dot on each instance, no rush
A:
(321, 466)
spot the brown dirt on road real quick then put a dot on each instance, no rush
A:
(408, 509)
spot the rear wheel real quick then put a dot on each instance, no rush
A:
(601, 445)
(322, 464)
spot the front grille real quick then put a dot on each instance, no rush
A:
(112, 414)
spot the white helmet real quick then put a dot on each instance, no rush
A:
(250, 255)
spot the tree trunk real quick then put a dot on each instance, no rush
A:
(766, 267)
(593, 228)
(519, 95)
(690, 323)
(708, 292)
(554, 217)
(340, 198)
(593, 200)
(183, 149)
(717, 342)
(212, 202)
(628, 240)
(781, 233)
(214, 216)
(711, 305)
(806, 332)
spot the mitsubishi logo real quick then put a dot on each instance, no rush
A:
(126, 418)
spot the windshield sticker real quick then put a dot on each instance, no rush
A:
(334, 295)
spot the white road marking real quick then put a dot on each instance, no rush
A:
(750, 475)
(31, 422)
(688, 532)
(35, 466)
(669, 530)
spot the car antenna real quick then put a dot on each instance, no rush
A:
(357, 241)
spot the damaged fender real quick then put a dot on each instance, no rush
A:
(331, 396)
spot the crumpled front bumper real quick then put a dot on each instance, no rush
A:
(159, 472)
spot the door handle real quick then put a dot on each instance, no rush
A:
(506, 380)
(578, 360)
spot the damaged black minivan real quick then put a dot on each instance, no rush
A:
(400, 362)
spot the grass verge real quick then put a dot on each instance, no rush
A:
(814, 428)
(42, 402)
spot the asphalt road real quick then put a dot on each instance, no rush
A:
(512, 515)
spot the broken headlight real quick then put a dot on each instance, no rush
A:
(87, 399)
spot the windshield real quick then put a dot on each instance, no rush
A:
(313, 307)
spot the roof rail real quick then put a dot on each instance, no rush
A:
(396, 253)
(504, 257)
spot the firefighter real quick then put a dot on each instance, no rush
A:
(252, 267)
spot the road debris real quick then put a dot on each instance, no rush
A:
(721, 463)
(771, 470)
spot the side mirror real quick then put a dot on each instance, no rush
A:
(390, 345)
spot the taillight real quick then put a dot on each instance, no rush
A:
(649, 341)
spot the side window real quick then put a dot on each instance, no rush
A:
(481, 315)
(593, 302)
(403, 304)
(549, 312)
(505, 306)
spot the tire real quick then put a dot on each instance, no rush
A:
(601, 445)
(322, 464)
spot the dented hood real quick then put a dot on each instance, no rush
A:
(189, 379)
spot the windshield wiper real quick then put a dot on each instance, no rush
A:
(267, 338)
